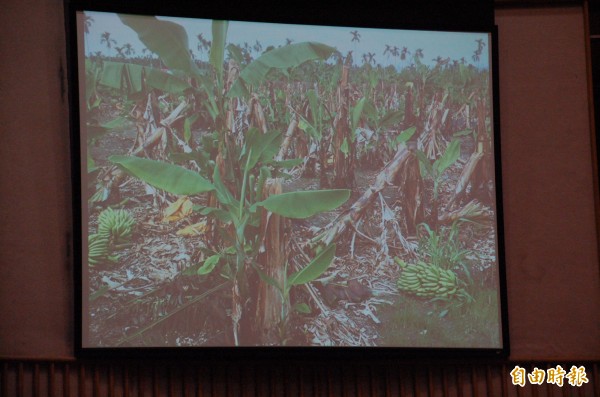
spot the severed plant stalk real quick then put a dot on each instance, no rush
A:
(309, 273)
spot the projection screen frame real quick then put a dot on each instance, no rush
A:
(77, 90)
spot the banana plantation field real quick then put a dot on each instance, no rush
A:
(285, 191)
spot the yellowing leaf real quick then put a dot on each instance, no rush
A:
(193, 230)
(178, 210)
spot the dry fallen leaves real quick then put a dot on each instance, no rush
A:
(178, 210)
(196, 229)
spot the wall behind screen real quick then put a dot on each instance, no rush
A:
(551, 254)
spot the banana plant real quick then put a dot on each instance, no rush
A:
(315, 127)
(238, 210)
(435, 171)
(444, 249)
(283, 58)
(167, 40)
(307, 274)
(379, 122)
(170, 42)
(236, 175)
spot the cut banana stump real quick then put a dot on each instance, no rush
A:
(429, 281)
(114, 231)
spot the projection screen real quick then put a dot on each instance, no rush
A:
(269, 185)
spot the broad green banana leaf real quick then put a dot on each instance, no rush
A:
(406, 135)
(223, 194)
(217, 48)
(91, 79)
(112, 74)
(424, 164)
(264, 146)
(187, 127)
(122, 76)
(166, 39)
(449, 157)
(134, 78)
(357, 112)
(172, 178)
(208, 265)
(281, 58)
(300, 205)
(166, 82)
(315, 268)
(96, 130)
(391, 118)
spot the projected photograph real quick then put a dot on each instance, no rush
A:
(253, 184)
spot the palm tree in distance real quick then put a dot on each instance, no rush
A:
(203, 44)
(480, 44)
(257, 47)
(87, 23)
(369, 58)
(439, 61)
(395, 51)
(418, 54)
(149, 58)
(477, 54)
(246, 48)
(388, 50)
(120, 52)
(128, 49)
(109, 41)
(403, 55)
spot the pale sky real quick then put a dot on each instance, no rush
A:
(433, 44)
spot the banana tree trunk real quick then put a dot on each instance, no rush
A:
(465, 177)
(343, 144)
(484, 145)
(287, 140)
(349, 217)
(477, 170)
(431, 139)
(410, 119)
(410, 187)
(271, 259)
(257, 114)
(324, 143)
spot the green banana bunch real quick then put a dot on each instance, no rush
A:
(115, 225)
(97, 249)
(429, 281)
(114, 230)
